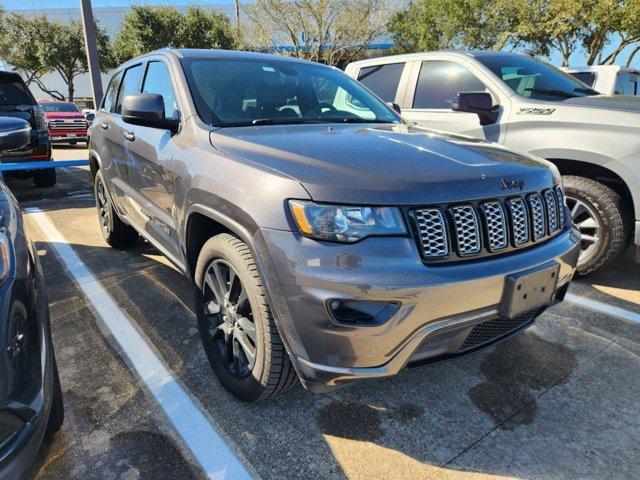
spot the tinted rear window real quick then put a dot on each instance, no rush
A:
(588, 78)
(14, 93)
(383, 80)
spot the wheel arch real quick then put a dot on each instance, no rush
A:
(202, 223)
(95, 163)
(599, 173)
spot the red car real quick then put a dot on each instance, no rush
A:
(66, 123)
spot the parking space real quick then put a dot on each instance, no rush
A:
(555, 402)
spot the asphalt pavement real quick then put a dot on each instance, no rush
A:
(559, 401)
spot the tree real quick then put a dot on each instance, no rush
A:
(450, 24)
(36, 46)
(329, 31)
(568, 26)
(148, 28)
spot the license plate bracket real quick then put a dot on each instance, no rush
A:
(529, 289)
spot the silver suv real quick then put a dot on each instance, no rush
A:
(327, 239)
(531, 106)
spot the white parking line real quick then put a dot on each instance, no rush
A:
(603, 307)
(197, 433)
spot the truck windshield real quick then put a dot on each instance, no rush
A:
(533, 78)
(58, 107)
(242, 92)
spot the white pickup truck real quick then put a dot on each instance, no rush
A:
(608, 79)
(529, 105)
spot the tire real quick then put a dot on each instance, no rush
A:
(114, 231)
(56, 413)
(588, 199)
(45, 178)
(271, 371)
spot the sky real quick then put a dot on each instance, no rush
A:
(578, 59)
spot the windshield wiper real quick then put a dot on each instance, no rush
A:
(551, 91)
(355, 120)
(282, 121)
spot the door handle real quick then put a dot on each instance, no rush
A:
(130, 136)
(104, 126)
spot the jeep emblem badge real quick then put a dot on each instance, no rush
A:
(512, 184)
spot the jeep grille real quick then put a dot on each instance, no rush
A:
(475, 229)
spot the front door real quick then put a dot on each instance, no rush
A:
(430, 96)
(151, 169)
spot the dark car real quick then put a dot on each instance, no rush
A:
(17, 101)
(327, 240)
(30, 395)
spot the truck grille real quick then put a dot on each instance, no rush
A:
(64, 125)
(488, 227)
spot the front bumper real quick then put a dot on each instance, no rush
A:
(432, 299)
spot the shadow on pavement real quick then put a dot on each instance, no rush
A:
(451, 414)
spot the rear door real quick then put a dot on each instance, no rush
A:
(384, 80)
(151, 169)
(432, 87)
(102, 140)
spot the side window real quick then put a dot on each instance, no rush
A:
(130, 84)
(588, 78)
(109, 102)
(440, 81)
(383, 80)
(158, 80)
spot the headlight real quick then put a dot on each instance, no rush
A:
(341, 223)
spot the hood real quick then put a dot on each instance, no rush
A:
(391, 164)
(608, 102)
(63, 115)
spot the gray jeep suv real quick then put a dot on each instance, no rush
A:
(327, 240)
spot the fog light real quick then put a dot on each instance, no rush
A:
(362, 312)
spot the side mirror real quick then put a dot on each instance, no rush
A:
(15, 134)
(147, 109)
(480, 103)
(395, 107)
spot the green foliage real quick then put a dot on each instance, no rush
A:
(148, 28)
(450, 24)
(36, 46)
(565, 26)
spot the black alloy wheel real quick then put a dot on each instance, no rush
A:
(232, 329)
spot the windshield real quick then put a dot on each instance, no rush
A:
(239, 92)
(58, 107)
(532, 78)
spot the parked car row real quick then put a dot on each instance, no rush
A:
(336, 227)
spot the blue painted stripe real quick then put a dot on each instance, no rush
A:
(16, 166)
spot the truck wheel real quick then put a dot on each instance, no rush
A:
(237, 329)
(45, 177)
(114, 231)
(600, 215)
(56, 414)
